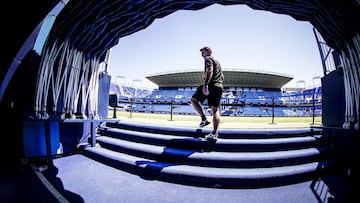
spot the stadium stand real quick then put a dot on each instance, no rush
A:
(256, 99)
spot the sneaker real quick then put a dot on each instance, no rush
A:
(211, 136)
(204, 123)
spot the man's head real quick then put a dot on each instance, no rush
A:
(206, 50)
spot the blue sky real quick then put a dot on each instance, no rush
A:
(241, 38)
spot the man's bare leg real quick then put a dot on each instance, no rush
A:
(216, 119)
(197, 107)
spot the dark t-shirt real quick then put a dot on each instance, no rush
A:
(217, 79)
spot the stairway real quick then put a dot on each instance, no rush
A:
(238, 159)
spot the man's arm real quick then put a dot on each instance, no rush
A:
(209, 67)
(207, 75)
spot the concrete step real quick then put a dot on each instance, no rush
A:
(238, 159)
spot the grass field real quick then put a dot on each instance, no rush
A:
(229, 122)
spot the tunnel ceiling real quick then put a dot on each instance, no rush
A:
(17, 26)
(96, 26)
(93, 27)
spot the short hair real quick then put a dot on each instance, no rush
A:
(208, 49)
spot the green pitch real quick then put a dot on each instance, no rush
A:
(232, 122)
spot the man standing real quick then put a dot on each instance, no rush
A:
(211, 90)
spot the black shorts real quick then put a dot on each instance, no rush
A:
(213, 98)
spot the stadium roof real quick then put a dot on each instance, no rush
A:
(233, 78)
